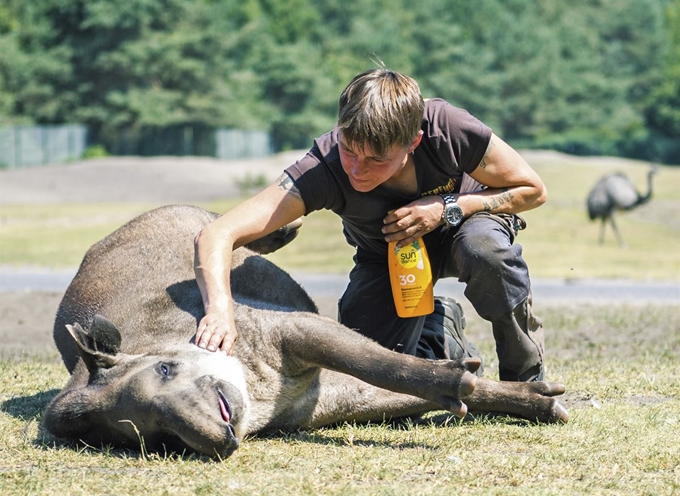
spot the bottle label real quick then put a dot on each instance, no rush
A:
(411, 279)
(409, 257)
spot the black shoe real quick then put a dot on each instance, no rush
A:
(534, 374)
(450, 313)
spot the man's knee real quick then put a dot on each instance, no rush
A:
(491, 266)
(483, 250)
(484, 241)
(487, 256)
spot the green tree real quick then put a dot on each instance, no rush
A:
(34, 67)
(662, 109)
(9, 23)
(586, 76)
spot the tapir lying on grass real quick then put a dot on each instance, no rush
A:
(124, 330)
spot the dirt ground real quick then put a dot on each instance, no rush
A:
(135, 179)
(26, 320)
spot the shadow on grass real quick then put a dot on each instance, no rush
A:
(28, 408)
(328, 436)
(335, 435)
(45, 442)
(444, 419)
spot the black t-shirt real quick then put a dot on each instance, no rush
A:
(453, 143)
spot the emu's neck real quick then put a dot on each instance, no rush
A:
(646, 197)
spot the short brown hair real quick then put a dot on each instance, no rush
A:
(380, 108)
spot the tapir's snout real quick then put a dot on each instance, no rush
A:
(207, 416)
(231, 404)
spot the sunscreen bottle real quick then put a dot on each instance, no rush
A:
(411, 279)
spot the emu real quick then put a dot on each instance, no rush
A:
(614, 192)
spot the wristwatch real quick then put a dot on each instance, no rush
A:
(452, 214)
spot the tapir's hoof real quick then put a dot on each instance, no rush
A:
(553, 411)
(560, 413)
(468, 380)
(458, 408)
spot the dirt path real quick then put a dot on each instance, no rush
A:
(136, 179)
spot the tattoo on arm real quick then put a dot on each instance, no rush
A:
(287, 184)
(496, 202)
(483, 163)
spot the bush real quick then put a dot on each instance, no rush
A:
(95, 151)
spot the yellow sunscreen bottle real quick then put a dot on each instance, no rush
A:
(411, 279)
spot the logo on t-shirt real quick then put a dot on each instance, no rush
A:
(439, 190)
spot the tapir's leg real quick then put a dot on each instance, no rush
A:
(322, 342)
(277, 239)
(345, 398)
(313, 340)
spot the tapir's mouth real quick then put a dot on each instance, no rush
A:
(225, 410)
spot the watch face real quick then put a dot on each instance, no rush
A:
(454, 215)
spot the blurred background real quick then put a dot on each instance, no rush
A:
(207, 101)
(246, 78)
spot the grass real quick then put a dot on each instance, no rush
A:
(57, 236)
(560, 241)
(624, 399)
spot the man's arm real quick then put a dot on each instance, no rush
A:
(512, 187)
(262, 214)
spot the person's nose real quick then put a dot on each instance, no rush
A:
(358, 167)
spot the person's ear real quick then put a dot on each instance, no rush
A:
(416, 141)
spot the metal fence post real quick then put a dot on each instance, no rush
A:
(17, 147)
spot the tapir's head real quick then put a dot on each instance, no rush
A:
(183, 399)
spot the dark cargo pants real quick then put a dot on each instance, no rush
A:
(481, 254)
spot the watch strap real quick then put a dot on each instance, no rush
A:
(449, 204)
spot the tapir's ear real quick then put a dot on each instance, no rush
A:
(106, 335)
(99, 347)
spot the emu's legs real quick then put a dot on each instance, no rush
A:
(622, 243)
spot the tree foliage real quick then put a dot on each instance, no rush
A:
(586, 76)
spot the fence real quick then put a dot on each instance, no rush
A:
(189, 140)
(235, 143)
(26, 146)
(155, 141)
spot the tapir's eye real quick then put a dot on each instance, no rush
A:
(164, 369)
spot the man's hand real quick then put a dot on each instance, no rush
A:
(412, 221)
(216, 331)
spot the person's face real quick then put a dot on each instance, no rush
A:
(366, 170)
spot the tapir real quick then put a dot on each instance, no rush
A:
(125, 329)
